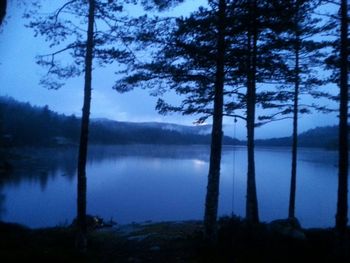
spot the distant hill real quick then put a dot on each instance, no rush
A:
(22, 124)
(326, 137)
(201, 129)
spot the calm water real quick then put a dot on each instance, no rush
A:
(139, 183)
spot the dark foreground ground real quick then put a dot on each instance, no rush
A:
(173, 242)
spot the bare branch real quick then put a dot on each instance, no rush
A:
(59, 10)
(259, 124)
(70, 46)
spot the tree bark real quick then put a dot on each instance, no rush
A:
(211, 202)
(291, 211)
(342, 204)
(81, 241)
(252, 213)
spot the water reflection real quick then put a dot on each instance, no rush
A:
(147, 182)
(39, 165)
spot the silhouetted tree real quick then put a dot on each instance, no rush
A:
(252, 212)
(276, 31)
(306, 56)
(185, 59)
(212, 196)
(3, 5)
(191, 61)
(342, 205)
(60, 29)
(84, 132)
(303, 55)
(258, 64)
(338, 61)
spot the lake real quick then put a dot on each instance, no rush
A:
(137, 183)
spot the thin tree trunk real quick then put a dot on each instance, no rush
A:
(252, 212)
(211, 202)
(84, 134)
(3, 6)
(291, 212)
(342, 205)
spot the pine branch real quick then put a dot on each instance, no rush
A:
(59, 10)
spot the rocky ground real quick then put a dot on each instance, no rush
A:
(280, 241)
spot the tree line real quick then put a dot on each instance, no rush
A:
(22, 124)
(223, 60)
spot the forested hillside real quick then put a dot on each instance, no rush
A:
(23, 125)
(326, 137)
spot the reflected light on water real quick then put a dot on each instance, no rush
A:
(137, 183)
(199, 164)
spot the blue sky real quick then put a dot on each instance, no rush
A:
(20, 76)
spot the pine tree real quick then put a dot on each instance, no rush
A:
(61, 30)
(303, 56)
(260, 64)
(342, 205)
(306, 56)
(84, 132)
(252, 212)
(191, 61)
(211, 202)
(284, 29)
(338, 62)
(185, 59)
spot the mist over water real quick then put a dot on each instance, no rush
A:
(136, 183)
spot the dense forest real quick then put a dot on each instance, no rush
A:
(26, 125)
(325, 137)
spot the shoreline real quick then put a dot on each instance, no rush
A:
(178, 241)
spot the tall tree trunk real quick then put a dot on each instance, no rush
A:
(291, 211)
(3, 4)
(252, 212)
(211, 202)
(342, 205)
(84, 133)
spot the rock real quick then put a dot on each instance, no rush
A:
(288, 227)
(95, 222)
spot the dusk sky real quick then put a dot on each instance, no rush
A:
(20, 76)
